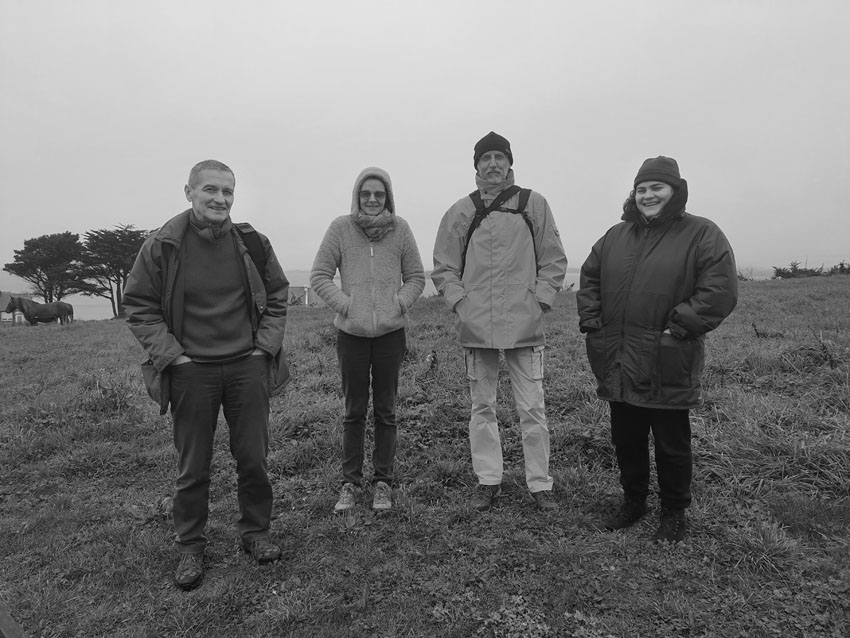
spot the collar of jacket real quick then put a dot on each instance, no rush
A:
(173, 230)
(489, 191)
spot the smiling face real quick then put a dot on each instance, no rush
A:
(211, 196)
(493, 167)
(373, 196)
(651, 197)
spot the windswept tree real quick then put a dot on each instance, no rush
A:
(51, 264)
(106, 261)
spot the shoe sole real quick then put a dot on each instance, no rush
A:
(190, 586)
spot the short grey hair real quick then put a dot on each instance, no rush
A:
(208, 165)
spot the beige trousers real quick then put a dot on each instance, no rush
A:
(525, 368)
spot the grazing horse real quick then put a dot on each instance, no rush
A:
(36, 313)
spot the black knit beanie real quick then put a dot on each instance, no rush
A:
(492, 142)
(660, 169)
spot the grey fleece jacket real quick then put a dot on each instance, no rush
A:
(379, 280)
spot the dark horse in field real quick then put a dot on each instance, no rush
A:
(42, 312)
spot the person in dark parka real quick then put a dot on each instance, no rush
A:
(650, 290)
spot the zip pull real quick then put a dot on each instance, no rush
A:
(371, 250)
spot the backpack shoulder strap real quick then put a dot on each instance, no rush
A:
(481, 211)
(254, 245)
(524, 195)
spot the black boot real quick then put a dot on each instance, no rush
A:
(673, 526)
(630, 513)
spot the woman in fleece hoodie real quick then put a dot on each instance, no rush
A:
(381, 276)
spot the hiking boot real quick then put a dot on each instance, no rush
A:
(485, 496)
(672, 528)
(383, 498)
(630, 513)
(545, 501)
(190, 571)
(347, 497)
(262, 550)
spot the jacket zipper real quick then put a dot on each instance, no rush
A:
(372, 278)
(638, 253)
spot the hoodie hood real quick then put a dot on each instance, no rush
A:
(674, 208)
(367, 173)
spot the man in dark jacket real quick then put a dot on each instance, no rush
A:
(210, 312)
(650, 290)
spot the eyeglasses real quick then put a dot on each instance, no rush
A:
(379, 195)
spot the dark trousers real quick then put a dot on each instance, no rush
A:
(198, 390)
(671, 431)
(359, 359)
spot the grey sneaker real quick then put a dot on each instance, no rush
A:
(485, 496)
(383, 499)
(673, 526)
(347, 497)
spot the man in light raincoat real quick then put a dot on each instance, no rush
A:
(499, 262)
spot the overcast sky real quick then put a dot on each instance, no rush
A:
(105, 105)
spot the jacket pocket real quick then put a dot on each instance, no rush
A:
(594, 344)
(675, 362)
(475, 370)
(279, 374)
(537, 361)
(158, 385)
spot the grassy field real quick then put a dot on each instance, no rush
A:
(87, 468)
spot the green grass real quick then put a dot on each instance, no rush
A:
(87, 469)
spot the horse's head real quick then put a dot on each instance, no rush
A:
(11, 307)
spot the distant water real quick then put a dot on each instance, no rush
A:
(96, 308)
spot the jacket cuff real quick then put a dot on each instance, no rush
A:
(589, 326)
(677, 331)
(453, 294)
(545, 293)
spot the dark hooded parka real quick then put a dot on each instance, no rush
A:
(672, 272)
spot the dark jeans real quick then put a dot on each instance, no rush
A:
(671, 430)
(357, 357)
(198, 390)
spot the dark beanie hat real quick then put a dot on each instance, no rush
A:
(660, 169)
(492, 142)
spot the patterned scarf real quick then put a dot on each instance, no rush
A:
(377, 226)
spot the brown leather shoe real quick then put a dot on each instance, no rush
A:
(190, 571)
(262, 550)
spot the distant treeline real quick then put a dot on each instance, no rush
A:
(793, 270)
